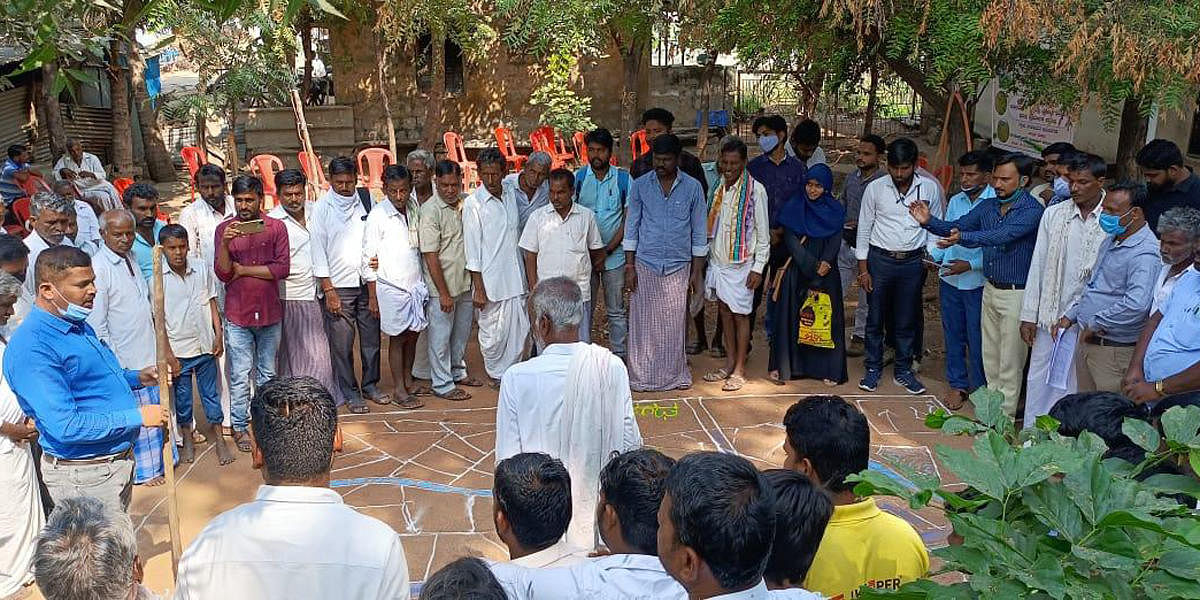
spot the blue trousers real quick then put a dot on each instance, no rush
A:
(964, 336)
(204, 368)
(895, 290)
(250, 349)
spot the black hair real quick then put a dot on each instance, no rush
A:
(566, 175)
(491, 156)
(12, 249)
(534, 492)
(802, 510)
(978, 158)
(342, 165)
(246, 183)
(1159, 155)
(210, 170)
(1101, 413)
(1023, 163)
(874, 140)
(661, 115)
(294, 421)
(16, 150)
(446, 167)
(806, 132)
(1137, 192)
(775, 123)
(467, 578)
(833, 435)
(667, 144)
(1058, 148)
(734, 144)
(723, 510)
(633, 484)
(172, 231)
(53, 262)
(289, 177)
(902, 151)
(139, 190)
(600, 136)
(396, 172)
(1083, 161)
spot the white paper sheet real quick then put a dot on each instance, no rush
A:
(1062, 358)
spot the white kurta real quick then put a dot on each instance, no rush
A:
(21, 516)
(490, 231)
(300, 283)
(572, 402)
(97, 188)
(399, 286)
(121, 313)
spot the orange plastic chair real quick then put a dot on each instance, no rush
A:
(546, 139)
(20, 207)
(504, 138)
(638, 145)
(456, 152)
(581, 149)
(265, 166)
(371, 162)
(121, 184)
(193, 157)
(319, 176)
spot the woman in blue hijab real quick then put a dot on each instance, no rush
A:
(812, 234)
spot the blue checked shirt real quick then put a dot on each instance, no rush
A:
(1116, 302)
(1007, 240)
(666, 230)
(960, 205)
(72, 385)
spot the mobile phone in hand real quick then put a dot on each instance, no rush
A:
(250, 227)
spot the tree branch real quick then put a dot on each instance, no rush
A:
(916, 80)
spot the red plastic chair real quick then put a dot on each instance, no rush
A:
(265, 166)
(193, 157)
(121, 184)
(22, 211)
(546, 139)
(638, 145)
(504, 138)
(319, 176)
(371, 162)
(581, 149)
(456, 152)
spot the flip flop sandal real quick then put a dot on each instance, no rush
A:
(357, 408)
(716, 375)
(241, 439)
(422, 390)
(198, 438)
(381, 399)
(734, 383)
(454, 395)
(471, 382)
(776, 380)
(410, 402)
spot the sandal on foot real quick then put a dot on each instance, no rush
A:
(422, 390)
(241, 439)
(774, 378)
(471, 382)
(696, 348)
(410, 402)
(380, 399)
(198, 438)
(456, 395)
(716, 375)
(357, 408)
(734, 383)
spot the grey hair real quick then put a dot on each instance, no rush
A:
(115, 215)
(73, 141)
(422, 155)
(560, 300)
(43, 201)
(85, 552)
(10, 287)
(540, 158)
(1183, 219)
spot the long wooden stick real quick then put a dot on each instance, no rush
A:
(314, 165)
(164, 399)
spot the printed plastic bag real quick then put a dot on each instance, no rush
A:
(816, 320)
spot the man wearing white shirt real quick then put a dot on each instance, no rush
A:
(303, 345)
(297, 538)
(84, 171)
(397, 290)
(21, 508)
(122, 318)
(572, 402)
(87, 224)
(890, 247)
(530, 188)
(338, 222)
(420, 163)
(562, 239)
(50, 218)
(1178, 233)
(531, 508)
(1068, 242)
(491, 224)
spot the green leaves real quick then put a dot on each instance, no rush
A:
(1142, 433)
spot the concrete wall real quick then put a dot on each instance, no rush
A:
(273, 131)
(679, 89)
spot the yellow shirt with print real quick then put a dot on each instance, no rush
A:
(865, 545)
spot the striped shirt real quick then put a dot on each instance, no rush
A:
(1007, 239)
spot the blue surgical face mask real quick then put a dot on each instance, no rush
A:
(1111, 224)
(1062, 187)
(73, 312)
(768, 142)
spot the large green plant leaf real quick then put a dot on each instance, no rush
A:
(1142, 433)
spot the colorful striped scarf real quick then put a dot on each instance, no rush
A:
(743, 215)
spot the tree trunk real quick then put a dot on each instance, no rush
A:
(1132, 136)
(158, 158)
(705, 102)
(202, 119)
(633, 57)
(387, 106)
(872, 99)
(437, 92)
(232, 162)
(122, 122)
(49, 110)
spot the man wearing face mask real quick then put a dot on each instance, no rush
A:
(1055, 189)
(1114, 306)
(1006, 228)
(1178, 235)
(74, 388)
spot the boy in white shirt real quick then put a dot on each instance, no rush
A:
(562, 239)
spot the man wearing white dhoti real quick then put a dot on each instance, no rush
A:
(84, 170)
(572, 402)
(396, 290)
(491, 226)
(21, 515)
(1068, 242)
(739, 244)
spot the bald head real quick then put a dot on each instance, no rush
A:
(117, 229)
(113, 217)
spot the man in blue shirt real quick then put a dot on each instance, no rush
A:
(1166, 359)
(16, 171)
(605, 189)
(142, 200)
(961, 292)
(1113, 308)
(74, 388)
(1006, 228)
(666, 242)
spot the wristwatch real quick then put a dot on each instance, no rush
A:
(1158, 387)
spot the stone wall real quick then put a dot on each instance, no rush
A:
(679, 89)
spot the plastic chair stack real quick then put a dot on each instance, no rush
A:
(456, 152)
(578, 140)
(638, 145)
(547, 139)
(371, 162)
(504, 139)
(265, 166)
(193, 157)
(319, 176)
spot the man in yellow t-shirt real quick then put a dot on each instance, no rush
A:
(828, 439)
